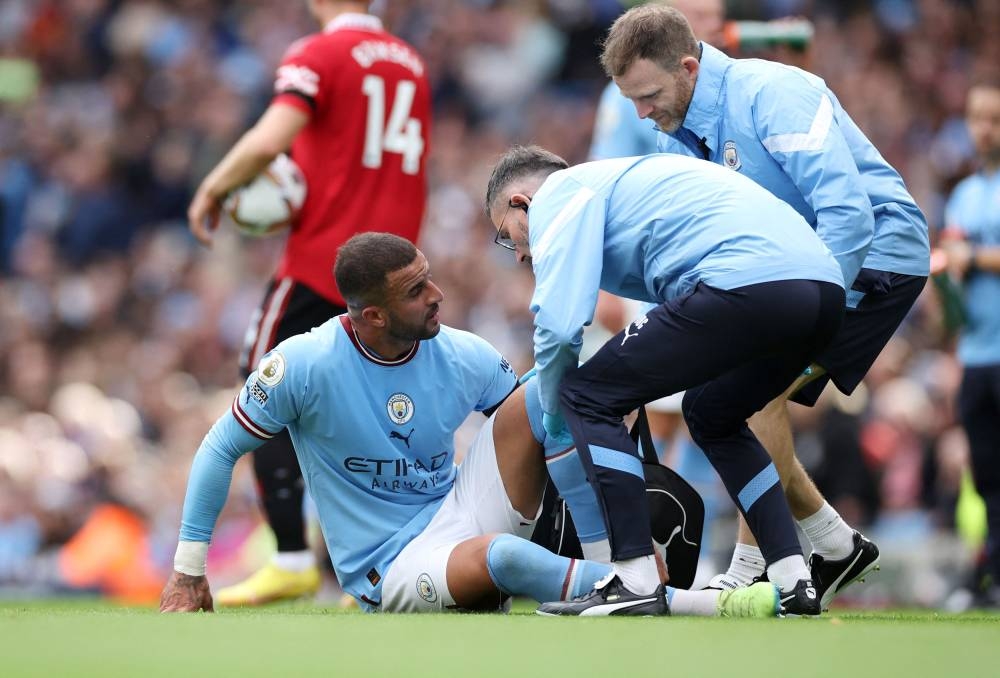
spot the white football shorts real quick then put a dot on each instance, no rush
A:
(477, 505)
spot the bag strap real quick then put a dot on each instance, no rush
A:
(641, 434)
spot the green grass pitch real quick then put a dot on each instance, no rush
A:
(92, 638)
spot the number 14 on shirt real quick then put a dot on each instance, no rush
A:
(402, 134)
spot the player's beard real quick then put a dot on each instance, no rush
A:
(409, 331)
(672, 117)
(990, 156)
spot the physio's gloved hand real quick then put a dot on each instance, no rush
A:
(528, 375)
(555, 427)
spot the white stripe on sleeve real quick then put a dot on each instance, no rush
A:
(248, 424)
(811, 140)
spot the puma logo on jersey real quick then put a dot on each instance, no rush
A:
(396, 435)
(640, 321)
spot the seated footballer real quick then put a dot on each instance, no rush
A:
(372, 399)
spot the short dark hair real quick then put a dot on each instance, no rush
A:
(655, 32)
(519, 162)
(365, 261)
(989, 79)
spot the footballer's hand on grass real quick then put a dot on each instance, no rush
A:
(185, 593)
(203, 216)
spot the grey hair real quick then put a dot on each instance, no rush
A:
(517, 163)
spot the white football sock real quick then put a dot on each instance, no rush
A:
(830, 536)
(294, 561)
(597, 551)
(704, 603)
(748, 562)
(639, 575)
(787, 572)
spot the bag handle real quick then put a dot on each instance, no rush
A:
(641, 434)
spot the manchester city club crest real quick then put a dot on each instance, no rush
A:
(730, 156)
(400, 408)
(425, 588)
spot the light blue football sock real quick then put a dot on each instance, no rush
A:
(567, 472)
(519, 567)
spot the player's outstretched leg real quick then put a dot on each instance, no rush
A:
(584, 588)
(520, 567)
(485, 570)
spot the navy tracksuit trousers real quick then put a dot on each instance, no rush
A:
(733, 352)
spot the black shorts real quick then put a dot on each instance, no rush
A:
(865, 331)
(288, 308)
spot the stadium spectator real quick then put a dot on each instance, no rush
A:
(972, 242)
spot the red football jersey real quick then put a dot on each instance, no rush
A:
(365, 147)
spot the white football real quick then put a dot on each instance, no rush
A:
(268, 204)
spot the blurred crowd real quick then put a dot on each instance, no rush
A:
(119, 334)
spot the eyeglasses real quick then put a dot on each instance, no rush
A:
(507, 242)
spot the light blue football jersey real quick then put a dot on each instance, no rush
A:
(374, 438)
(974, 211)
(651, 228)
(784, 128)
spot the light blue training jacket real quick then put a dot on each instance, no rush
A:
(651, 228)
(785, 129)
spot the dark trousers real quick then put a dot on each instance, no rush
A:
(979, 409)
(733, 351)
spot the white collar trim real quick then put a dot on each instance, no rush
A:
(366, 352)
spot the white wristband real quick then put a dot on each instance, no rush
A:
(190, 558)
